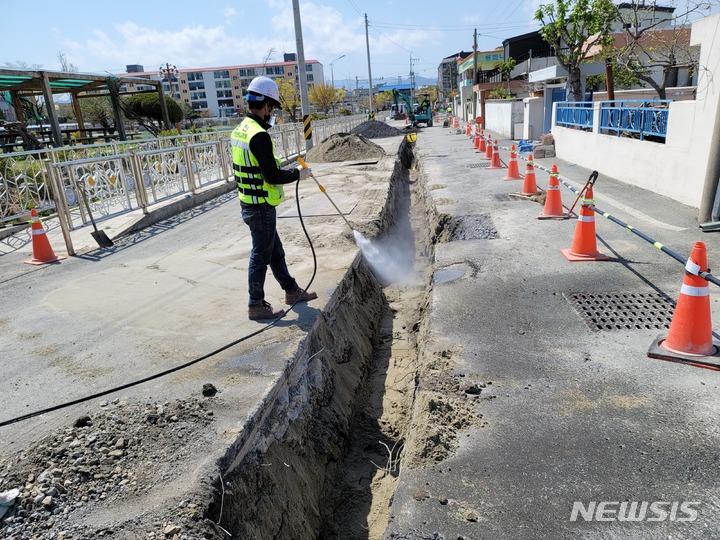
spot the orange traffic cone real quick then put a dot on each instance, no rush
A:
(530, 185)
(468, 129)
(690, 330)
(689, 339)
(495, 162)
(553, 201)
(584, 245)
(488, 148)
(476, 142)
(482, 146)
(513, 172)
(42, 251)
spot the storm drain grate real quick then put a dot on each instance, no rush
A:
(478, 165)
(622, 311)
(504, 197)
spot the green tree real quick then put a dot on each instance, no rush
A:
(505, 67)
(573, 28)
(144, 107)
(189, 113)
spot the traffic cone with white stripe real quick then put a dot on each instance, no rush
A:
(584, 245)
(513, 172)
(690, 339)
(495, 162)
(553, 200)
(468, 129)
(42, 251)
(530, 185)
(478, 136)
(482, 146)
(488, 148)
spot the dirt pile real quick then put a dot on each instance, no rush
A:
(344, 147)
(372, 129)
(105, 462)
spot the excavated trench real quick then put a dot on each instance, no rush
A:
(324, 460)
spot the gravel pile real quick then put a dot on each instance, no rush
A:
(120, 454)
(373, 129)
(344, 147)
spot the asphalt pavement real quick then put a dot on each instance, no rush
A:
(582, 435)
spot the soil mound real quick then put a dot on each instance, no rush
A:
(373, 129)
(344, 147)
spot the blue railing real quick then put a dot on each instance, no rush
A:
(577, 114)
(635, 117)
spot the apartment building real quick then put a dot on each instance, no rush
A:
(219, 90)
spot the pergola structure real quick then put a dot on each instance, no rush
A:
(32, 83)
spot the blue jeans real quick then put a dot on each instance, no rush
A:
(266, 250)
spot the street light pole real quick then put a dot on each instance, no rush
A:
(168, 72)
(332, 78)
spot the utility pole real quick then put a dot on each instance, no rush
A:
(475, 70)
(367, 43)
(307, 125)
(412, 81)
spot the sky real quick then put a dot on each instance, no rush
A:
(194, 34)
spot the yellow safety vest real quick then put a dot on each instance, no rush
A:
(251, 184)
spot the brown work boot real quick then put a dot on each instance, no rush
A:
(264, 310)
(300, 295)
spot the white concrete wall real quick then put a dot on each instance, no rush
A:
(662, 168)
(533, 120)
(501, 115)
(675, 169)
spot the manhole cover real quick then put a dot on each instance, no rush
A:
(478, 165)
(622, 311)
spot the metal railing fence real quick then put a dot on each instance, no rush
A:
(120, 176)
(577, 114)
(635, 118)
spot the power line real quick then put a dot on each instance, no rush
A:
(450, 28)
(355, 8)
(397, 44)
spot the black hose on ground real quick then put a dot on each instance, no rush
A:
(186, 364)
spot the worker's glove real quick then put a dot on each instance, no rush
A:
(304, 173)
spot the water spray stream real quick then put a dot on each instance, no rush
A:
(390, 261)
(366, 247)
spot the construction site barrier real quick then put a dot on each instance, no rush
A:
(682, 260)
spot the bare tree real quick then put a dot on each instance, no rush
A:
(64, 64)
(650, 43)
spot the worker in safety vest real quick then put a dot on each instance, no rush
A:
(260, 184)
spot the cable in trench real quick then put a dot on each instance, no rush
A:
(186, 364)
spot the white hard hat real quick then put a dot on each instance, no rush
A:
(265, 86)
